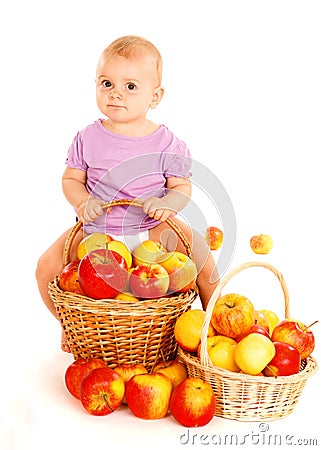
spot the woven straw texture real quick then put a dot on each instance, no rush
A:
(246, 397)
(118, 331)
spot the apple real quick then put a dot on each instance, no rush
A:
(222, 355)
(148, 251)
(181, 269)
(173, 369)
(261, 244)
(126, 297)
(102, 273)
(91, 242)
(102, 391)
(77, 371)
(296, 334)
(232, 315)
(127, 371)
(286, 361)
(149, 281)
(68, 279)
(122, 249)
(193, 402)
(214, 340)
(214, 237)
(271, 317)
(188, 329)
(148, 395)
(261, 319)
(253, 353)
(254, 329)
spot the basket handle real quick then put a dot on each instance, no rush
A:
(204, 356)
(78, 225)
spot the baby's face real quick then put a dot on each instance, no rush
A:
(125, 87)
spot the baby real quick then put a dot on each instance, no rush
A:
(127, 156)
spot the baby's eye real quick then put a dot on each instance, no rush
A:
(131, 86)
(106, 84)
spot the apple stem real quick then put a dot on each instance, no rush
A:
(106, 399)
(313, 323)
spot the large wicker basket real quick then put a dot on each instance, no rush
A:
(245, 397)
(119, 331)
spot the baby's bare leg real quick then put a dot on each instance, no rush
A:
(50, 265)
(208, 277)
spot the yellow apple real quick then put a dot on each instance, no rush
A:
(213, 340)
(91, 242)
(181, 269)
(148, 251)
(122, 249)
(127, 297)
(188, 329)
(261, 244)
(261, 319)
(222, 355)
(253, 353)
(173, 369)
(271, 317)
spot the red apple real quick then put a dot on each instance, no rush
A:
(148, 395)
(181, 269)
(296, 334)
(102, 273)
(254, 329)
(102, 391)
(78, 370)
(68, 280)
(214, 237)
(127, 371)
(193, 402)
(173, 369)
(233, 315)
(286, 361)
(149, 281)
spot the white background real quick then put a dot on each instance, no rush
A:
(242, 82)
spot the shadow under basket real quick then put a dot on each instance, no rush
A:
(245, 397)
(115, 330)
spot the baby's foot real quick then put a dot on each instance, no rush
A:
(64, 343)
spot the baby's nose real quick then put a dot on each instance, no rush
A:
(115, 93)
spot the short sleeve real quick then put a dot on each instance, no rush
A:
(75, 158)
(178, 162)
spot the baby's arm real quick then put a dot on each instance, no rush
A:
(74, 187)
(178, 196)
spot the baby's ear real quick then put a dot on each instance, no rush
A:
(157, 96)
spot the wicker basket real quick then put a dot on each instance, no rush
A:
(118, 331)
(246, 397)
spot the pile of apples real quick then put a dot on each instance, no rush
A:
(105, 268)
(101, 390)
(242, 339)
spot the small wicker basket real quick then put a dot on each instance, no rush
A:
(118, 331)
(246, 397)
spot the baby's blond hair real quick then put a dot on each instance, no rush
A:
(131, 46)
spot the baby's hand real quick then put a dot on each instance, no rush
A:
(90, 209)
(157, 209)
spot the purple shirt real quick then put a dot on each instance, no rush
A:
(122, 167)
